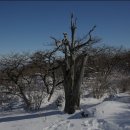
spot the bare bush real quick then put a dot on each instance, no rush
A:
(124, 84)
(100, 68)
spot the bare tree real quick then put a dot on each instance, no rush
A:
(48, 70)
(102, 67)
(34, 89)
(12, 68)
(74, 56)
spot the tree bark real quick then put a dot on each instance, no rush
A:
(72, 86)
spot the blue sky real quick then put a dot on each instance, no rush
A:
(27, 26)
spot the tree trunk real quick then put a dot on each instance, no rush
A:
(26, 101)
(28, 104)
(69, 96)
(72, 93)
(72, 97)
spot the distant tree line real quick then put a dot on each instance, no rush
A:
(33, 77)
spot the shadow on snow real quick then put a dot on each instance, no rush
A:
(31, 116)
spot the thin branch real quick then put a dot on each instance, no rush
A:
(89, 41)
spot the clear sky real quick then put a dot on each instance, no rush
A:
(27, 26)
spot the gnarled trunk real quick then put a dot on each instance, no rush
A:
(72, 93)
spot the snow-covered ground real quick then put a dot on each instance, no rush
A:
(104, 114)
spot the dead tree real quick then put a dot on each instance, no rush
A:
(75, 54)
